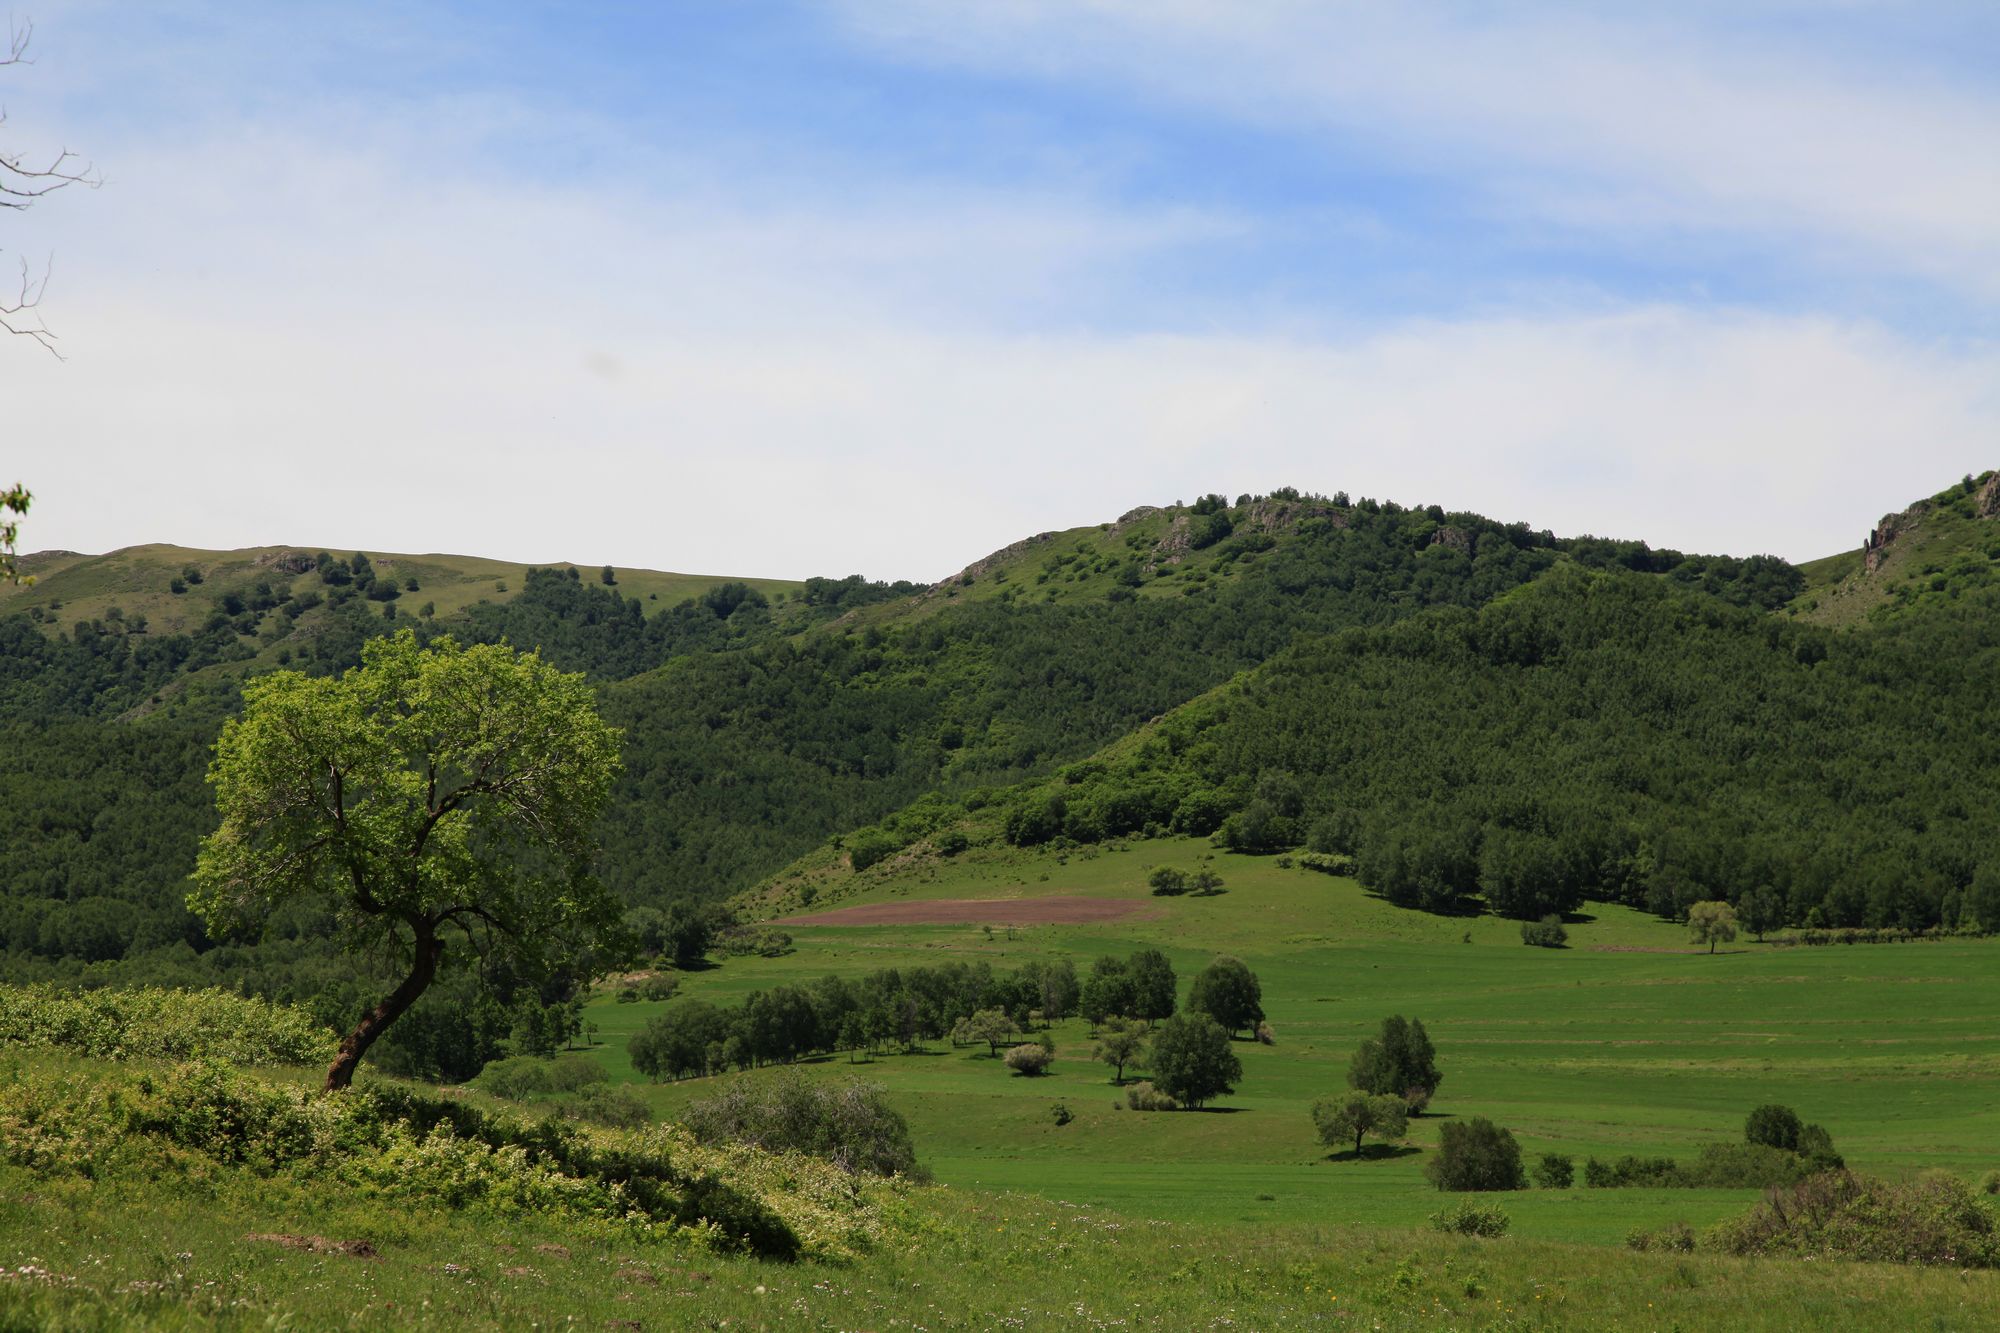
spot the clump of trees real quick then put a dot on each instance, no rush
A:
(1777, 1149)
(1142, 986)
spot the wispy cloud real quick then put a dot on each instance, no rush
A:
(1772, 121)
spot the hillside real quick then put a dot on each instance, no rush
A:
(1938, 548)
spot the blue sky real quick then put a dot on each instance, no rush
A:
(809, 288)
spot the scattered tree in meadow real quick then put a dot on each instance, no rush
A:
(991, 1026)
(608, 576)
(1228, 991)
(1711, 923)
(1168, 882)
(1475, 1155)
(1400, 1061)
(1192, 1061)
(438, 796)
(1153, 985)
(1774, 1126)
(1118, 1044)
(1354, 1114)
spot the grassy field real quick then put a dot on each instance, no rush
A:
(80, 1254)
(1627, 1041)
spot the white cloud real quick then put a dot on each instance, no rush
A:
(1634, 120)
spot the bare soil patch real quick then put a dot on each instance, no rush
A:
(357, 1249)
(1055, 910)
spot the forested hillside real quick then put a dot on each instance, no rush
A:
(762, 722)
(1595, 735)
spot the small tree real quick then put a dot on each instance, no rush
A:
(1118, 1045)
(1711, 923)
(1153, 985)
(1167, 882)
(1192, 1062)
(991, 1026)
(1228, 991)
(608, 576)
(433, 795)
(1400, 1061)
(1030, 1059)
(1773, 1126)
(1476, 1155)
(1354, 1114)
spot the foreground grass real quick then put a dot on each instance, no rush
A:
(87, 1255)
(1629, 1041)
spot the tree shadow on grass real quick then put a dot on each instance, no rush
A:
(1374, 1152)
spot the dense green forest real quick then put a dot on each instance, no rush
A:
(1652, 722)
(1597, 736)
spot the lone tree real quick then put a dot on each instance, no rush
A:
(1229, 992)
(442, 799)
(1118, 1045)
(1356, 1113)
(1711, 923)
(1192, 1062)
(1400, 1061)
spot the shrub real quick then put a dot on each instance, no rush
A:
(1327, 863)
(847, 1123)
(1265, 1035)
(1674, 1238)
(615, 1106)
(1471, 1219)
(1548, 933)
(1476, 1155)
(1030, 1059)
(1167, 882)
(1774, 1126)
(659, 986)
(1934, 1219)
(1990, 1183)
(1144, 1096)
(1061, 1114)
(166, 1024)
(1555, 1172)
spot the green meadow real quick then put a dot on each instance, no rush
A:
(1630, 1040)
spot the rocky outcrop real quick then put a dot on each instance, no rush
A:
(1458, 539)
(289, 562)
(1888, 530)
(1986, 503)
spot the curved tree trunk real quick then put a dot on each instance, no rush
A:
(423, 970)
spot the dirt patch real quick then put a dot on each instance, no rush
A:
(353, 1249)
(1056, 910)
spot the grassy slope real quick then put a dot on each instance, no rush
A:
(1945, 548)
(1626, 1042)
(136, 580)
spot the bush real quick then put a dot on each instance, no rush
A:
(1476, 1155)
(847, 1123)
(1471, 1219)
(1555, 1172)
(1990, 1183)
(1773, 1126)
(1167, 882)
(1548, 933)
(1327, 863)
(614, 1106)
(1030, 1059)
(1934, 1219)
(659, 986)
(1674, 1238)
(1144, 1096)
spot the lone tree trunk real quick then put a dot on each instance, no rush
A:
(423, 969)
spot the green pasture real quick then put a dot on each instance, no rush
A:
(1628, 1041)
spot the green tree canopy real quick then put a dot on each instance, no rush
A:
(1229, 992)
(1401, 1061)
(1192, 1062)
(430, 795)
(1355, 1113)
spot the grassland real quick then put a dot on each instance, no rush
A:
(1628, 1041)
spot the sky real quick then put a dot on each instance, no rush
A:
(879, 286)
